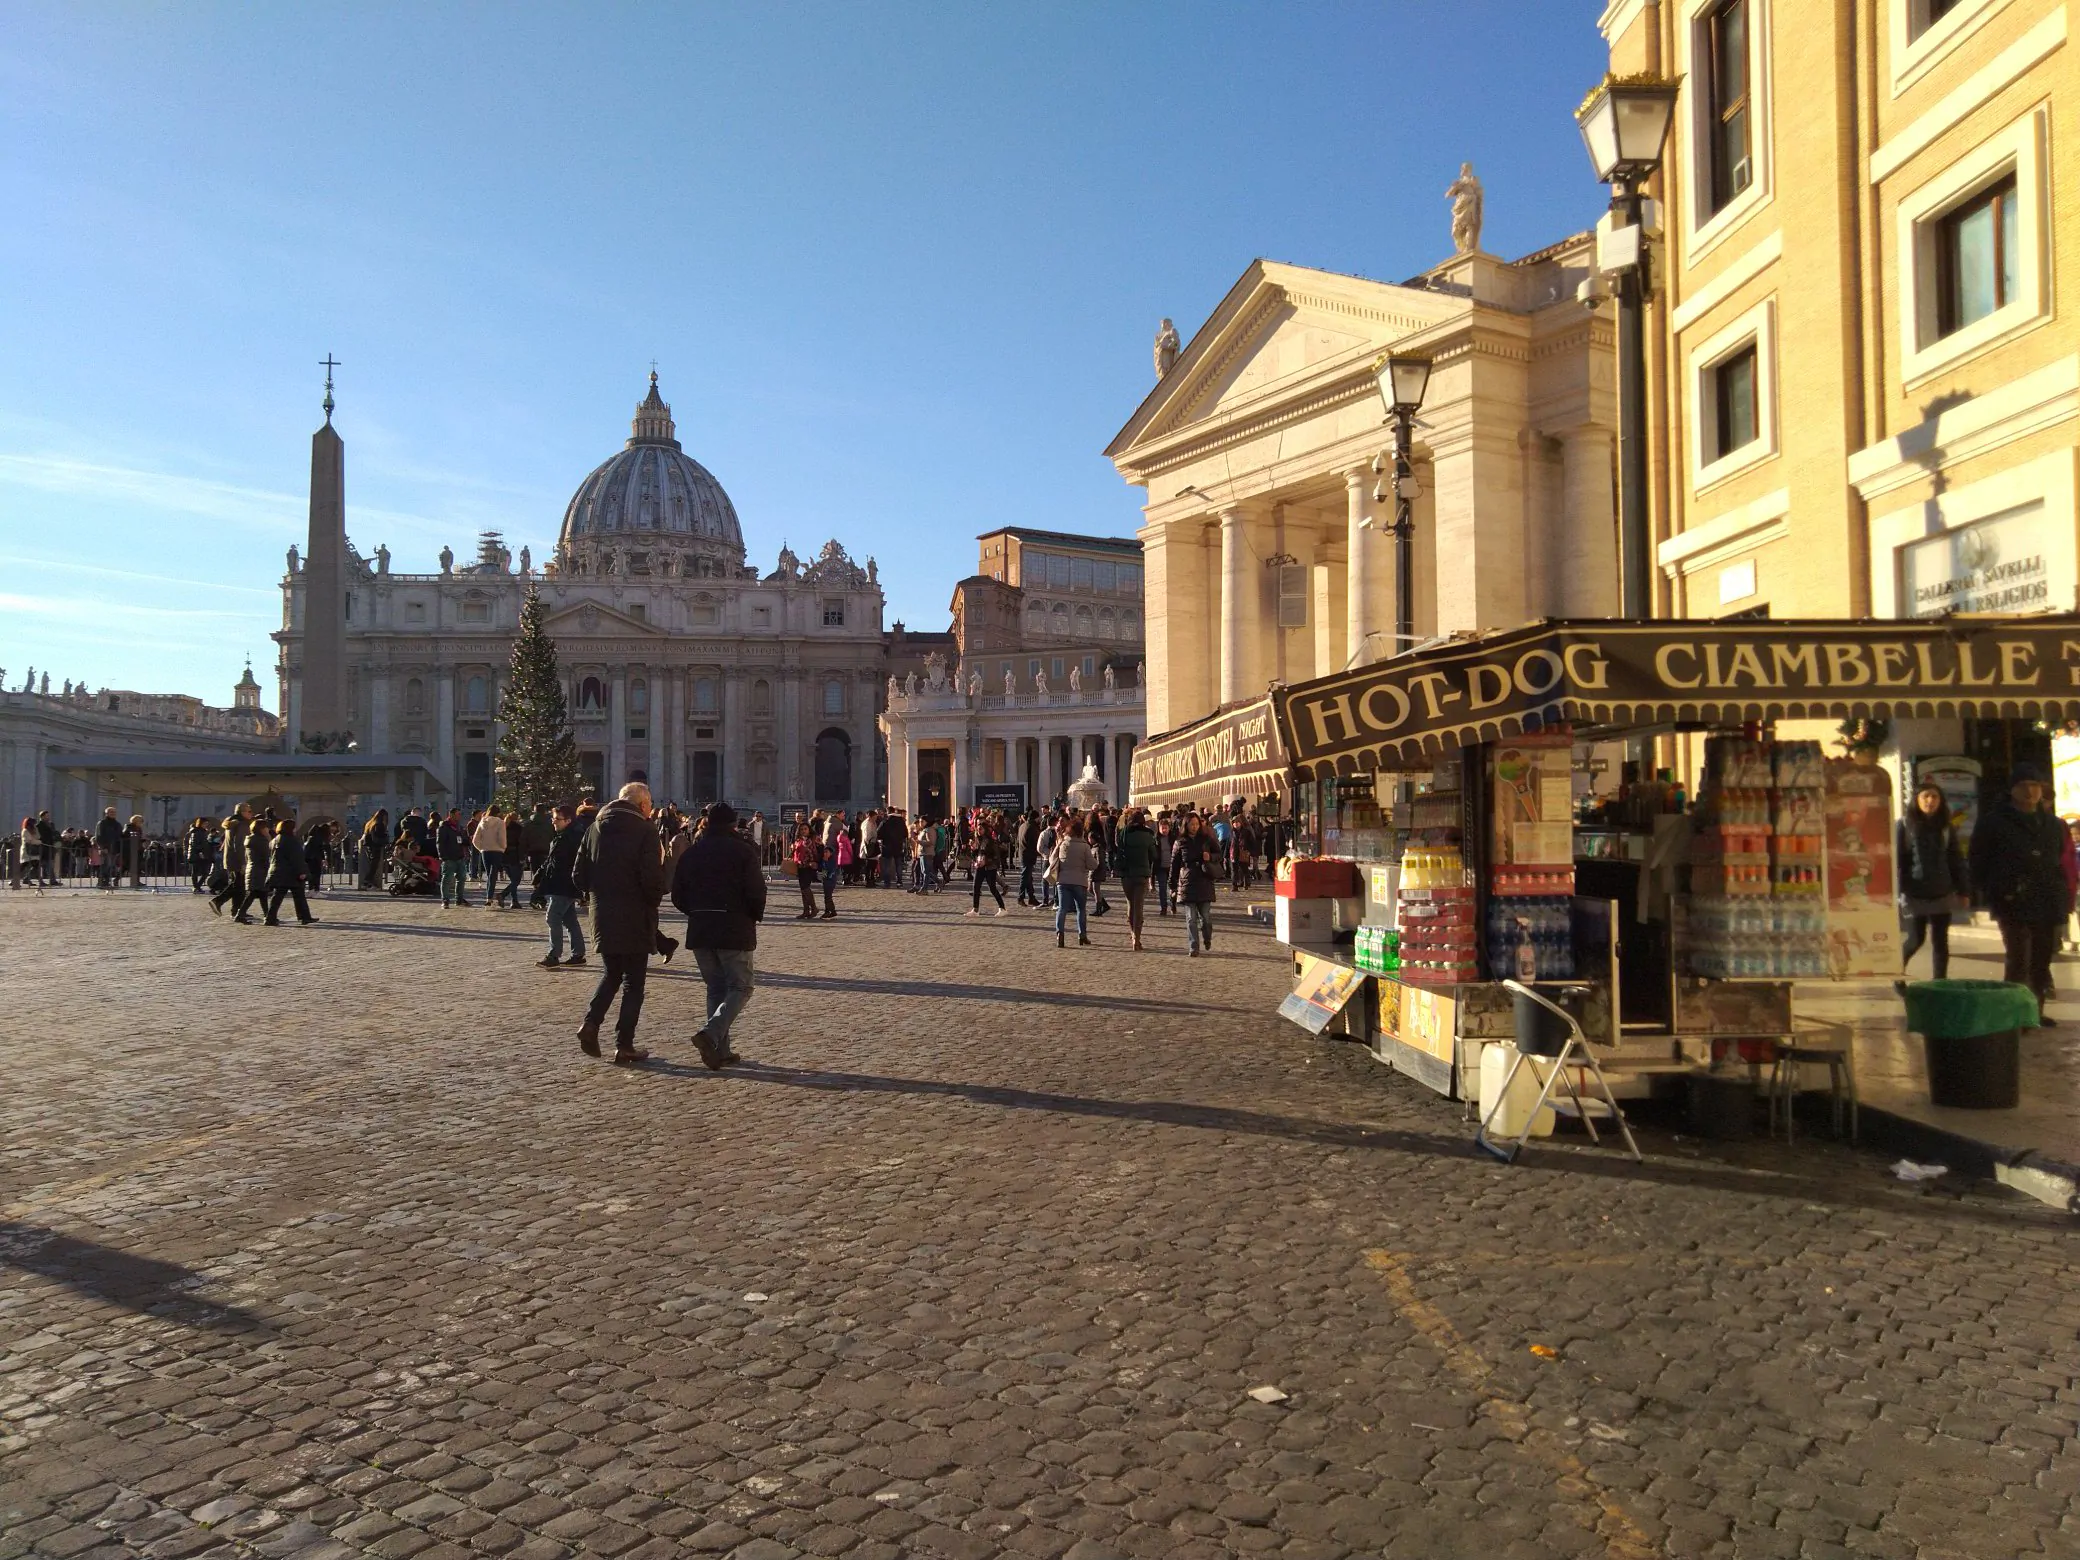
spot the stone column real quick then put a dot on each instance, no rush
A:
(617, 735)
(1180, 672)
(1585, 575)
(1361, 571)
(1238, 607)
(732, 690)
(378, 679)
(861, 707)
(444, 732)
(794, 787)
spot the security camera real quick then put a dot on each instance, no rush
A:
(1594, 292)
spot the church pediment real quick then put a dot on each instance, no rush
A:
(1281, 331)
(596, 618)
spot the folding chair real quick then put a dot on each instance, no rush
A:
(1574, 1051)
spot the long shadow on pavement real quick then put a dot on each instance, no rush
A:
(143, 1284)
(437, 931)
(937, 990)
(1598, 1163)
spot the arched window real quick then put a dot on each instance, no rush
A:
(414, 696)
(1108, 625)
(1130, 625)
(639, 697)
(704, 695)
(834, 697)
(1058, 620)
(833, 766)
(762, 773)
(1036, 617)
(1086, 625)
(761, 697)
(592, 694)
(476, 695)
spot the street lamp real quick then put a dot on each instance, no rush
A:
(1403, 378)
(1624, 124)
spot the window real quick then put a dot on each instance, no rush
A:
(1086, 624)
(1733, 403)
(414, 696)
(1058, 620)
(1090, 666)
(592, 694)
(1107, 576)
(761, 617)
(761, 697)
(639, 612)
(415, 611)
(1731, 167)
(704, 695)
(1977, 254)
(1057, 571)
(1733, 423)
(639, 733)
(834, 613)
(1080, 574)
(1108, 625)
(834, 697)
(476, 695)
(1129, 577)
(1971, 248)
(1033, 667)
(639, 697)
(476, 612)
(1924, 14)
(1056, 669)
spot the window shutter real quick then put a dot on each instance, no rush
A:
(1292, 595)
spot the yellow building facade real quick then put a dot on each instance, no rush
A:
(1864, 356)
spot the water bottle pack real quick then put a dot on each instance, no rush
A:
(1530, 939)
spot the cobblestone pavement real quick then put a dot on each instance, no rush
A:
(329, 1242)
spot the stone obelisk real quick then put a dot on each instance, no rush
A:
(323, 710)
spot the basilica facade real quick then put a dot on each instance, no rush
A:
(684, 665)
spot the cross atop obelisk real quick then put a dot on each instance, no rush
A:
(329, 365)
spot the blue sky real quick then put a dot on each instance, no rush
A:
(899, 264)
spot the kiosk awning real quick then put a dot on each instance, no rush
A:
(1619, 674)
(1235, 751)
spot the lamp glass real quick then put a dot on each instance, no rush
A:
(1600, 135)
(1403, 380)
(1642, 125)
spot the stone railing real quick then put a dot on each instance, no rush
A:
(218, 722)
(926, 701)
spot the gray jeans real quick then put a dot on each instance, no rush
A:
(563, 917)
(727, 972)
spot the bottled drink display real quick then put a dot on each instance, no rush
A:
(1530, 933)
(1757, 863)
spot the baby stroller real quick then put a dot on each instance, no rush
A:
(413, 875)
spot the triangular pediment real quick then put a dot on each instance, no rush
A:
(1281, 330)
(599, 617)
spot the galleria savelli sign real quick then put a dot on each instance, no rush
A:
(1627, 673)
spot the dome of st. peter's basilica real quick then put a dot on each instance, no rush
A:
(650, 509)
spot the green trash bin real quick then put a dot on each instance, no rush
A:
(1971, 1033)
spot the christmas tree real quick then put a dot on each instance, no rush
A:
(537, 756)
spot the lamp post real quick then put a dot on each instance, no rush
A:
(1624, 124)
(1403, 379)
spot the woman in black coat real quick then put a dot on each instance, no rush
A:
(285, 876)
(2018, 863)
(1931, 877)
(259, 854)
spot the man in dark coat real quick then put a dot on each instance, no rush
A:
(452, 841)
(108, 838)
(722, 888)
(621, 864)
(561, 890)
(286, 871)
(2018, 862)
(894, 840)
(234, 889)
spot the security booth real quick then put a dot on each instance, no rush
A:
(1467, 813)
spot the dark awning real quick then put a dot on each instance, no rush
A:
(1619, 674)
(1233, 752)
(204, 773)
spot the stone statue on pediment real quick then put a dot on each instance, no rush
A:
(1111, 681)
(1141, 674)
(935, 672)
(909, 685)
(447, 560)
(382, 557)
(1040, 682)
(1010, 686)
(1167, 345)
(892, 689)
(44, 687)
(526, 561)
(1076, 679)
(295, 561)
(1468, 202)
(974, 685)
(873, 572)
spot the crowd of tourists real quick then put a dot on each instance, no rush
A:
(1061, 860)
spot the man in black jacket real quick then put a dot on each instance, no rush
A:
(561, 891)
(108, 839)
(722, 889)
(621, 864)
(2018, 862)
(453, 845)
(894, 840)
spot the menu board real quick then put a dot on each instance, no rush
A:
(1531, 801)
(1428, 1021)
(1862, 920)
